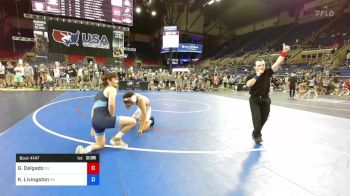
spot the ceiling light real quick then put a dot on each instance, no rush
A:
(211, 2)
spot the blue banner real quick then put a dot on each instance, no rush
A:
(186, 47)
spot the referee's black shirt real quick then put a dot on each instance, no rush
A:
(262, 85)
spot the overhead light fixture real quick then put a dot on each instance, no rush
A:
(211, 2)
(138, 10)
(154, 13)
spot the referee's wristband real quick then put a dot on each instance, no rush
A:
(283, 54)
(256, 77)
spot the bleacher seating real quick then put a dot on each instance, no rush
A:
(8, 55)
(342, 71)
(336, 36)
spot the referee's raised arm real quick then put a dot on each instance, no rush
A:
(281, 58)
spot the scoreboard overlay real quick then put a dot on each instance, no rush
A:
(57, 170)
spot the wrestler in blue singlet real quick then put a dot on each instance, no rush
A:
(101, 119)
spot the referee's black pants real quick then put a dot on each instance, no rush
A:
(260, 109)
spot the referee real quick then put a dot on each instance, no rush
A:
(259, 84)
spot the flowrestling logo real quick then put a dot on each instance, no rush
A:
(65, 37)
(89, 40)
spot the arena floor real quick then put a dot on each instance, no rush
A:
(200, 144)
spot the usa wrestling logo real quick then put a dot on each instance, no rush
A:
(65, 37)
(90, 40)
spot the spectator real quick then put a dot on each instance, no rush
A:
(19, 73)
(28, 74)
(85, 78)
(10, 74)
(348, 58)
(56, 72)
(2, 75)
(47, 81)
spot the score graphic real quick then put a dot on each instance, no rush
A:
(57, 170)
(93, 173)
